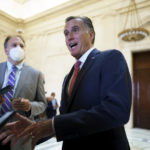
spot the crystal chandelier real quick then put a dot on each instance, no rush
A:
(133, 30)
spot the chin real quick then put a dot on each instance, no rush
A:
(73, 54)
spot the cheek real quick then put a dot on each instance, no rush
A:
(67, 43)
(68, 47)
(7, 52)
(85, 40)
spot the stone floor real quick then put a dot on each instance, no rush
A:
(139, 139)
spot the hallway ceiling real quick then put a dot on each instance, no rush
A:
(24, 9)
(21, 1)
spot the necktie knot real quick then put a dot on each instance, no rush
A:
(77, 65)
(14, 68)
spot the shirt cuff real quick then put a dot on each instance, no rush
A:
(53, 128)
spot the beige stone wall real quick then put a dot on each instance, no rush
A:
(45, 44)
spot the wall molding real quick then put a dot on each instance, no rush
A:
(52, 20)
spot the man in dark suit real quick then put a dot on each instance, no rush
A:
(28, 89)
(93, 115)
(52, 106)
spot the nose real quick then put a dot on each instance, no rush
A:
(70, 36)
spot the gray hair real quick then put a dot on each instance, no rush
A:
(87, 22)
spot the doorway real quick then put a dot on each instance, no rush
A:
(141, 89)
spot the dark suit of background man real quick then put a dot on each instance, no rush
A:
(28, 85)
(52, 106)
(94, 115)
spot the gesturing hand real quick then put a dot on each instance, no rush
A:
(13, 129)
(36, 131)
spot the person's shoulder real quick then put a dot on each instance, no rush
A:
(109, 53)
(31, 69)
(3, 63)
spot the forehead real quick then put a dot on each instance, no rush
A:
(74, 22)
(15, 40)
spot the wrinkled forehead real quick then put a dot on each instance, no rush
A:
(15, 40)
(74, 22)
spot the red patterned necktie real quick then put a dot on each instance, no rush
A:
(6, 106)
(74, 76)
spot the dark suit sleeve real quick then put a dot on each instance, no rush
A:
(113, 97)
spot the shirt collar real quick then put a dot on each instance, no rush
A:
(84, 56)
(19, 66)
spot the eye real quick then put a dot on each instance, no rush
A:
(21, 45)
(75, 29)
(14, 45)
(66, 32)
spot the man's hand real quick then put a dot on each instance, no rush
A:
(36, 131)
(27, 129)
(2, 100)
(22, 104)
(13, 129)
(6, 136)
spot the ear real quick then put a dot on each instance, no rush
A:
(91, 33)
(6, 51)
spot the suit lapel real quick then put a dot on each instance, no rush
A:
(64, 97)
(23, 76)
(87, 65)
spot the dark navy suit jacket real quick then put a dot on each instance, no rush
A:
(99, 106)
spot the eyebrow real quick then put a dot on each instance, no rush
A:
(75, 26)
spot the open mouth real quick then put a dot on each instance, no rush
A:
(73, 45)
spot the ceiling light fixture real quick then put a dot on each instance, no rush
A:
(20, 26)
(133, 28)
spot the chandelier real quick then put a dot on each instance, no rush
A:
(133, 30)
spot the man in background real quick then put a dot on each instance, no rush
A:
(52, 106)
(28, 95)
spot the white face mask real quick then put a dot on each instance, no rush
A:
(17, 53)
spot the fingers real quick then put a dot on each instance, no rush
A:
(27, 132)
(6, 136)
(23, 104)
(10, 125)
(20, 117)
(26, 138)
(20, 104)
(3, 135)
(7, 139)
(23, 119)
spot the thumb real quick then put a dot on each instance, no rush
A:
(20, 117)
